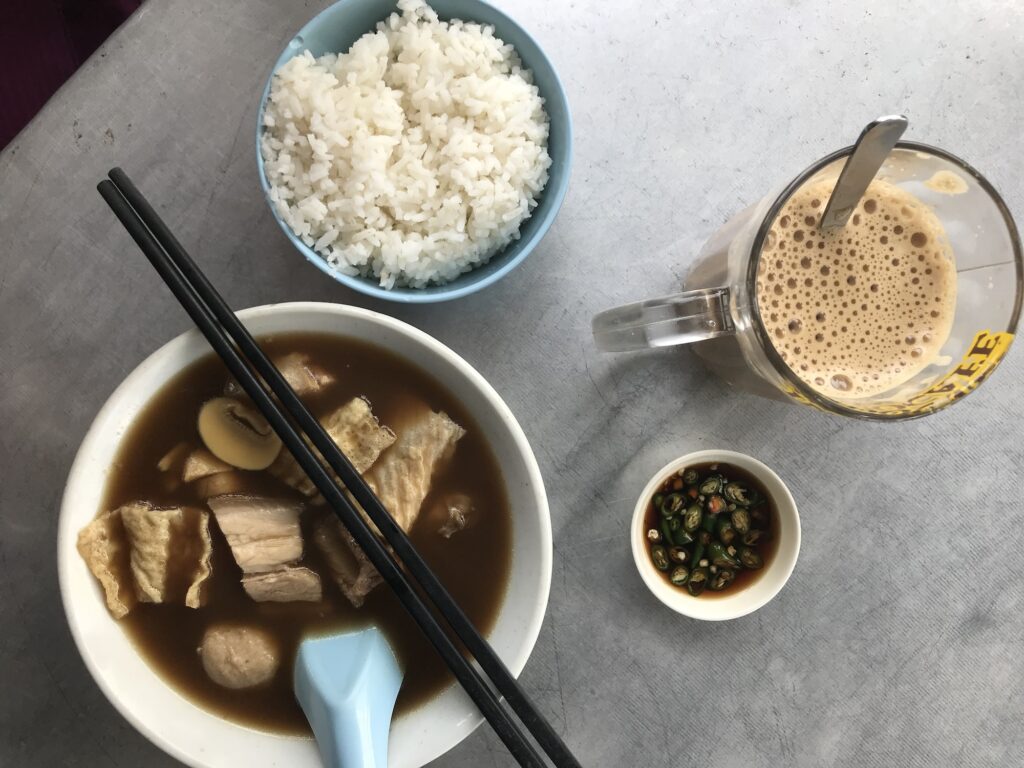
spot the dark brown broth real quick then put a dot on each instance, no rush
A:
(473, 564)
(767, 550)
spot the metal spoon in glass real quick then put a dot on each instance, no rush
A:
(873, 145)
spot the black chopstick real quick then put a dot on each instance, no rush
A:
(186, 281)
(492, 666)
(468, 677)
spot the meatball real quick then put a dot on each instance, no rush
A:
(238, 657)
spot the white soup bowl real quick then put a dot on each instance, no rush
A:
(204, 740)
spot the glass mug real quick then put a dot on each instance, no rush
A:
(719, 310)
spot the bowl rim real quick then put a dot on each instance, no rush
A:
(452, 290)
(177, 347)
(741, 603)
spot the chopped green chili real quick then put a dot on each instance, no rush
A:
(708, 529)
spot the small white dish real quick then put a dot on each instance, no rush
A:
(745, 600)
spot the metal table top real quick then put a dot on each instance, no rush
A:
(897, 640)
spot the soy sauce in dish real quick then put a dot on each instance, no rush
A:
(711, 529)
(473, 564)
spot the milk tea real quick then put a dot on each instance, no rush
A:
(859, 310)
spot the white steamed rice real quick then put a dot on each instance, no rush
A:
(414, 157)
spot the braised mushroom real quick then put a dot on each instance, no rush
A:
(237, 434)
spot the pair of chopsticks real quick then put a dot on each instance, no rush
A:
(405, 570)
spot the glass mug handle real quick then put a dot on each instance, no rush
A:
(681, 318)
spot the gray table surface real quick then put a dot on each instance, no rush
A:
(897, 641)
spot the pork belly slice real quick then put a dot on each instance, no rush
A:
(103, 544)
(263, 533)
(354, 429)
(201, 463)
(401, 479)
(169, 552)
(290, 584)
(352, 571)
(302, 374)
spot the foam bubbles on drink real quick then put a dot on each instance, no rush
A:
(842, 382)
(862, 309)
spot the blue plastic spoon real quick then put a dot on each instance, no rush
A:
(347, 686)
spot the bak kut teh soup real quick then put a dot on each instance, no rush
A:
(217, 555)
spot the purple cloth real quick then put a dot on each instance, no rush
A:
(42, 42)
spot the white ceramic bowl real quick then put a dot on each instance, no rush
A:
(743, 601)
(199, 738)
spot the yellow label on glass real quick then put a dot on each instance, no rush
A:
(978, 362)
(981, 358)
